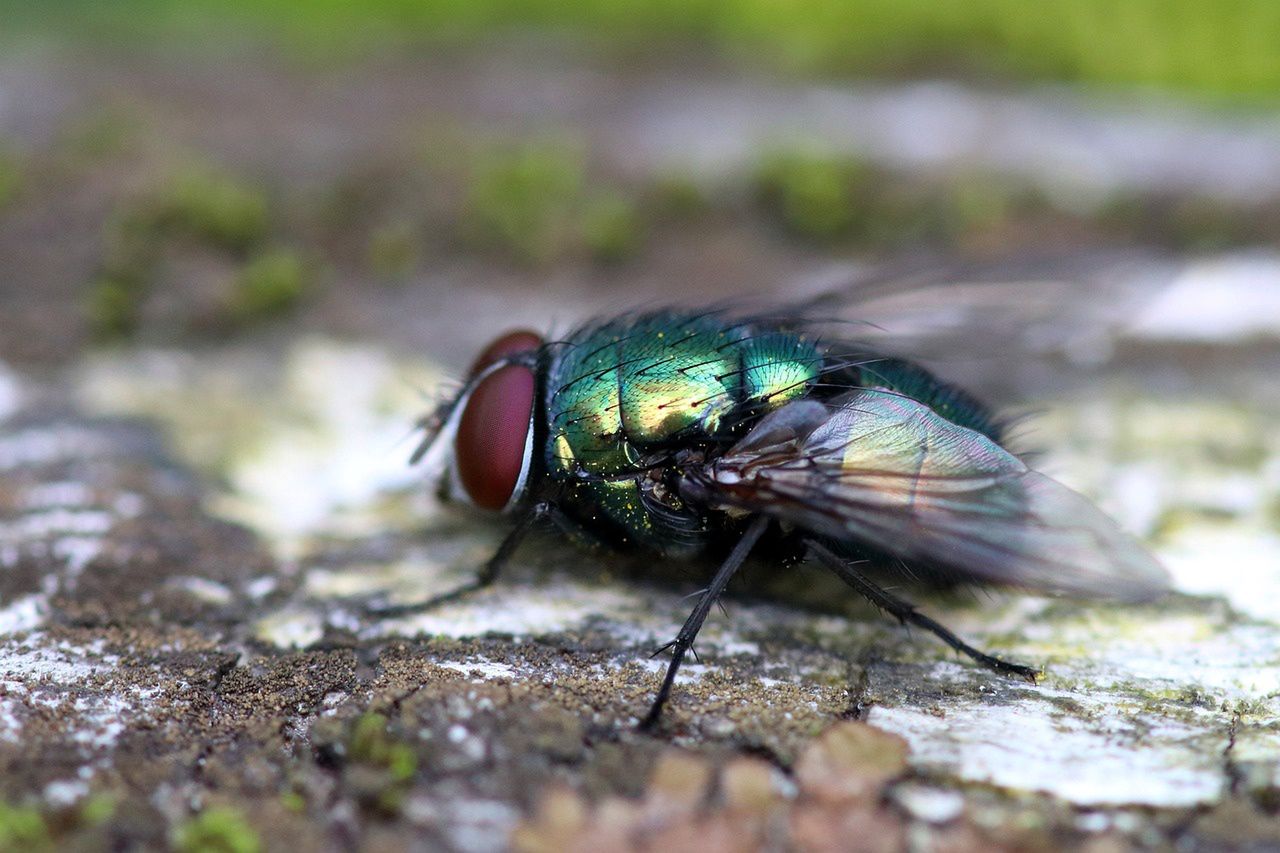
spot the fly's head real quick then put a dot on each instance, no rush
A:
(480, 442)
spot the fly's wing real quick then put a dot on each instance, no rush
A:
(1038, 303)
(884, 470)
(1001, 328)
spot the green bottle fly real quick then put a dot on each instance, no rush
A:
(692, 433)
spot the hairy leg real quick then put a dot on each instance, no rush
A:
(905, 612)
(488, 573)
(689, 631)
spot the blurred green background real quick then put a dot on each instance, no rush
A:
(1222, 49)
(176, 172)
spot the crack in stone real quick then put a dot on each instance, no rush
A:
(1234, 773)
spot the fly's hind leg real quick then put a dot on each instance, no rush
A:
(488, 573)
(905, 612)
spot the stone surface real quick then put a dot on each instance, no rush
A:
(181, 626)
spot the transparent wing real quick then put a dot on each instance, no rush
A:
(881, 469)
(999, 328)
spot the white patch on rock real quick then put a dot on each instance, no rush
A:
(1107, 757)
(35, 659)
(48, 444)
(290, 628)
(307, 447)
(261, 587)
(65, 792)
(688, 674)
(10, 725)
(471, 824)
(10, 392)
(36, 672)
(1238, 562)
(57, 493)
(486, 669)
(204, 589)
(55, 521)
(1199, 476)
(541, 610)
(1178, 653)
(25, 613)
(1229, 299)
(102, 719)
(931, 805)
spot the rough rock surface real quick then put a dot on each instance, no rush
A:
(189, 622)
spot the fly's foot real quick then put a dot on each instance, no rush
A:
(1026, 673)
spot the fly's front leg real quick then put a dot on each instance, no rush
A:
(489, 572)
(905, 612)
(689, 631)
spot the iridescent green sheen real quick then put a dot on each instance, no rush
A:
(585, 416)
(620, 389)
(778, 368)
(677, 375)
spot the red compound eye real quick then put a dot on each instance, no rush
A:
(515, 341)
(493, 431)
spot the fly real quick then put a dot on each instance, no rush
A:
(689, 434)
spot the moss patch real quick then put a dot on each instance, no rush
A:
(217, 830)
(269, 285)
(23, 828)
(534, 204)
(213, 208)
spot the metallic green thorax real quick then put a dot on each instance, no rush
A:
(620, 390)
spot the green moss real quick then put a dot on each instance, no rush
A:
(1208, 225)
(97, 809)
(815, 196)
(1272, 512)
(532, 204)
(217, 212)
(113, 307)
(611, 229)
(371, 743)
(293, 801)
(23, 829)
(978, 203)
(394, 250)
(269, 285)
(106, 132)
(217, 830)
(380, 767)
(677, 197)
(216, 209)
(525, 202)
